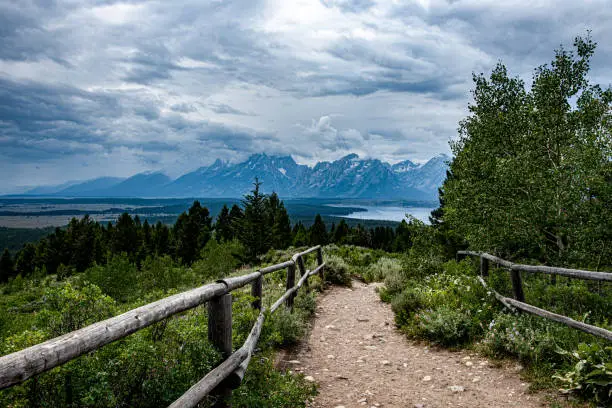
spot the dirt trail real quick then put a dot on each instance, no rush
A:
(359, 359)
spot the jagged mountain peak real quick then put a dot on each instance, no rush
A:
(404, 166)
(349, 157)
(347, 177)
(441, 157)
(218, 164)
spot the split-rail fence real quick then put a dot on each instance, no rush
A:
(17, 367)
(519, 297)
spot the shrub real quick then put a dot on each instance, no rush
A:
(378, 271)
(406, 304)
(218, 259)
(530, 338)
(162, 273)
(118, 278)
(395, 281)
(20, 341)
(274, 256)
(67, 308)
(445, 325)
(591, 376)
(306, 302)
(337, 270)
(283, 328)
(353, 255)
(265, 387)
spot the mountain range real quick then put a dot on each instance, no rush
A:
(348, 177)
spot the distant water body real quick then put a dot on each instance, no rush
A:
(386, 213)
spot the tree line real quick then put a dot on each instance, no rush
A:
(532, 172)
(260, 223)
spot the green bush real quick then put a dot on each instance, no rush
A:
(395, 280)
(163, 273)
(450, 308)
(530, 338)
(266, 387)
(406, 304)
(591, 375)
(284, 328)
(381, 269)
(337, 270)
(118, 278)
(68, 308)
(306, 302)
(444, 325)
(218, 260)
(355, 256)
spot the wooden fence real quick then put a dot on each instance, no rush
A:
(517, 289)
(17, 367)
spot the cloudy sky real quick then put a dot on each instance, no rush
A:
(91, 88)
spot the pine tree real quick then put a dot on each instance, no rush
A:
(318, 232)
(57, 251)
(161, 239)
(7, 268)
(255, 234)
(125, 237)
(300, 235)
(223, 225)
(282, 228)
(191, 233)
(278, 222)
(146, 239)
(342, 231)
(235, 219)
(403, 237)
(81, 239)
(24, 261)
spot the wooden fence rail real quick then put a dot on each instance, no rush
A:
(570, 273)
(17, 367)
(519, 298)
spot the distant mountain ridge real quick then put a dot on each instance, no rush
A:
(347, 177)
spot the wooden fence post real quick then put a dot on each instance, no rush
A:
(517, 285)
(220, 335)
(484, 267)
(300, 262)
(290, 284)
(256, 292)
(320, 262)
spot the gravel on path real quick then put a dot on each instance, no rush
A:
(359, 359)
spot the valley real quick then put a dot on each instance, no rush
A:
(57, 212)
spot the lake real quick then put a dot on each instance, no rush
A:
(387, 213)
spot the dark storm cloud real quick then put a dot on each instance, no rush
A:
(37, 107)
(151, 85)
(154, 62)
